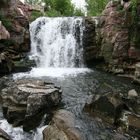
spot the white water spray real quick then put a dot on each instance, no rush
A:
(57, 42)
(56, 47)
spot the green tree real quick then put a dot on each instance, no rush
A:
(61, 8)
(95, 7)
(33, 1)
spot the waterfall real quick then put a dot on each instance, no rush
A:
(57, 42)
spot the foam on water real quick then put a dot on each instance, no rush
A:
(17, 133)
(52, 72)
(57, 42)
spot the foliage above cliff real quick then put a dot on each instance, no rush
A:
(95, 7)
(6, 21)
(55, 8)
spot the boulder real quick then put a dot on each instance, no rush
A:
(132, 93)
(4, 135)
(62, 127)
(120, 110)
(4, 34)
(26, 101)
(6, 64)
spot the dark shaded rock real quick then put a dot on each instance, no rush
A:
(121, 111)
(91, 40)
(26, 101)
(23, 65)
(62, 127)
(4, 135)
(6, 64)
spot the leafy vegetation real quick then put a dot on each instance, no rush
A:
(5, 21)
(35, 14)
(95, 7)
(134, 7)
(135, 38)
(61, 8)
(54, 8)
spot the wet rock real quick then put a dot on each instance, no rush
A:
(109, 105)
(121, 111)
(132, 93)
(4, 135)
(6, 64)
(26, 101)
(62, 127)
(117, 70)
(91, 40)
(137, 71)
(15, 39)
(4, 34)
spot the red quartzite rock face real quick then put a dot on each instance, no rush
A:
(115, 22)
(14, 33)
(117, 37)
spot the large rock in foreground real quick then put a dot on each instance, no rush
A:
(121, 111)
(26, 101)
(62, 127)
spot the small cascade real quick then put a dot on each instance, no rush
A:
(57, 42)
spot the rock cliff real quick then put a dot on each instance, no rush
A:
(14, 37)
(117, 39)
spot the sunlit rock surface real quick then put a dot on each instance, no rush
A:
(62, 127)
(26, 101)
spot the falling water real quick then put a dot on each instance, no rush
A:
(57, 42)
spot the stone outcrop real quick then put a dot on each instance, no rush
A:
(6, 64)
(4, 135)
(14, 35)
(115, 27)
(92, 41)
(114, 41)
(25, 102)
(62, 127)
(122, 111)
(4, 34)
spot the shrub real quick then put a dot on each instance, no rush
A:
(6, 22)
(95, 7)
(61, 8)
(35, 14)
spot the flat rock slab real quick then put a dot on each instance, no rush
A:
(26, 100)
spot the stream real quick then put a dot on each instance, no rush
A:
(77, 88)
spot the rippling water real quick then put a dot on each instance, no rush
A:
(76, 90)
